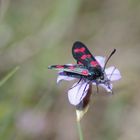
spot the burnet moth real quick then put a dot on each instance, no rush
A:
(87, 66)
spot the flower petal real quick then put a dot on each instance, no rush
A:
(108, 88)
(64, 77)
(113, 73)
(94, 83)
(101, 60)
(78, 92)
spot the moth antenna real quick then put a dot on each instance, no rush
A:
(109, 58)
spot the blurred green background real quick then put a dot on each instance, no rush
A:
(38, 33)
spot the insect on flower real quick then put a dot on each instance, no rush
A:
(89, 70)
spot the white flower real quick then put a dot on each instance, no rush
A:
(80, 89)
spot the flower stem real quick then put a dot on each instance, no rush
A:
(79, 131)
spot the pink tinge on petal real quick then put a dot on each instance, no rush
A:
(78, 92)
(101, 60)
(66, 78)
(113, 73)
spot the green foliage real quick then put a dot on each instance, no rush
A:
(8, 76)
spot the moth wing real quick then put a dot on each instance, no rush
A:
(83, 56)
(78, 69)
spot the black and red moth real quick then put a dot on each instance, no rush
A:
(87, 66)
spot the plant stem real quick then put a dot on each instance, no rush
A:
(9, 75)
(79, 131)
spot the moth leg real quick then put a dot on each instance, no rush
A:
(97, 87)
(112, 92)
(85, 88)
(76, 84)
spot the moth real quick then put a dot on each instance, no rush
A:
(87, 67)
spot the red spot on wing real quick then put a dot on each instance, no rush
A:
(80, 63)
(59, 66)
(71, 67)
(88, 55)
(94, 63)
(85, 72)
(85, 56)
(79, 50)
